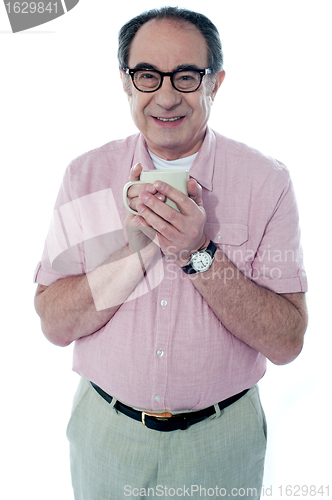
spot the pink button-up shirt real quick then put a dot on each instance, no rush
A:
(165, 349)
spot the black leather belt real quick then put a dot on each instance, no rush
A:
(164, 424)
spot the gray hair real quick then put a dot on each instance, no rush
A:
(201, 22)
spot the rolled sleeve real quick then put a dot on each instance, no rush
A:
(278, 264)
(46, 278)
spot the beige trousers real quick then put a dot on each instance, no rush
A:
(115, 457)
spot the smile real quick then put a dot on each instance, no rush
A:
(169, 119)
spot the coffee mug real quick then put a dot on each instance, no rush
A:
(175, 178)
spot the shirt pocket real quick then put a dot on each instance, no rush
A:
(232, 239)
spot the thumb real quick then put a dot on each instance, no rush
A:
(135, 172)
(195, 192)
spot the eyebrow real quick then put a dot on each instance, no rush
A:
(181, 67)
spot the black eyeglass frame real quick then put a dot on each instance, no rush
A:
(202, 73)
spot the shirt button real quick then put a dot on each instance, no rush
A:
(157, 398)
(219, 236)
(303, 274)
(163, 303)
(160, 352)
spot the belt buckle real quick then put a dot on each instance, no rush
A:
(164, 417)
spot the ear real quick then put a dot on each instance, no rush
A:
(123, 78)
(219, 78)
(125, 82)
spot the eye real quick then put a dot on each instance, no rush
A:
(186, 77)
(186, 80)
(147, 79)
(147, 76)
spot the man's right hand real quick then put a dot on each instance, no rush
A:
(134, 191)
(139, 233)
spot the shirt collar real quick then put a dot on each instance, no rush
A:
(203, 166)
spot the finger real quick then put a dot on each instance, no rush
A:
(135, 224)
(164, 219)
(135, 190)
(135, 172)
(195, 192)
(156, 203)
(160, 196)
(133, 194)
(166, 233)
(134, 175)
(183, 202)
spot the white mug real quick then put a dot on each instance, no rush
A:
(175, 178)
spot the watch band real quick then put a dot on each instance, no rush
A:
(211, 249)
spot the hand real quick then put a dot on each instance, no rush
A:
(134, 191)
(179, 233)
(139, 234)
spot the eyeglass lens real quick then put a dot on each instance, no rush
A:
(182, 80)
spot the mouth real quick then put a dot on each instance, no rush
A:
(176, 118)
(174, 121)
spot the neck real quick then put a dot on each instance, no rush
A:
(171, 154)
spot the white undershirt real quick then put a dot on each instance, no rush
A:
(180, 164)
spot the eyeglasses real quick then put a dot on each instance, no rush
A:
(183, 80)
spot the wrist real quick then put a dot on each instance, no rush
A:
(201, 260)
(185, 256)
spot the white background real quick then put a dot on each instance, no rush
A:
(61, 96)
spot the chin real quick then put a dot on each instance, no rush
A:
(165, 142)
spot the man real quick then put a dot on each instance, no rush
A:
(170, 357)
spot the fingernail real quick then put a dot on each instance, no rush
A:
(141, 208)
(159, 185)
(144, 196)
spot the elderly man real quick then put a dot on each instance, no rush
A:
(169, 353)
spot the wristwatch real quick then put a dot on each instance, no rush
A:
(201, 260)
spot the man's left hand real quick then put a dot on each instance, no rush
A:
(180, 233)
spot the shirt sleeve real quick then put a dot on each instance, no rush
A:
(278, 263)
(63, 255)
(85, 229)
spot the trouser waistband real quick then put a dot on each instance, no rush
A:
(168, 423)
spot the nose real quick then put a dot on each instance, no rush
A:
(167, 96)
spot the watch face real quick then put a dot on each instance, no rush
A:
(201, 261)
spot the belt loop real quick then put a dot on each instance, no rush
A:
(217, 410)
(112, 403)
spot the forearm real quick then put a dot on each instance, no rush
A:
(270, 323)
(78, 306)
(67, 310)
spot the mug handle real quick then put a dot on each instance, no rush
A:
(125, 201)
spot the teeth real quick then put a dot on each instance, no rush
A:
(169, 119)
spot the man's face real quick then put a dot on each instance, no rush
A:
(165, 46)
